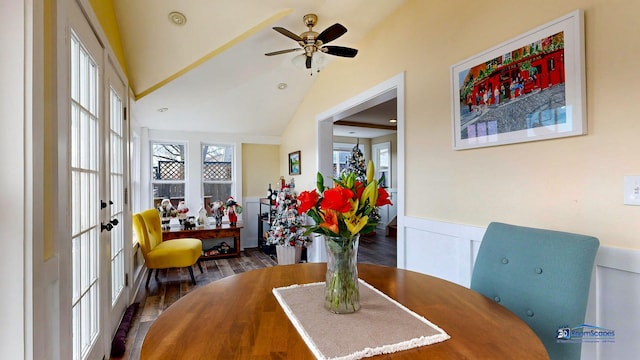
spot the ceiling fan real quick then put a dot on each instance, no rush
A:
(310, 41)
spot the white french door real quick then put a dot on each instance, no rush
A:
(117, 179)
(98, 173)
(85, 195)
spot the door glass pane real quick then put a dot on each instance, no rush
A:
(116, 174)
(85, 203)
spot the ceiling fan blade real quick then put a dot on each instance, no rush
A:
(308, 63)
(331, 33)
(282, 51)
(287, 33)
(341, 51)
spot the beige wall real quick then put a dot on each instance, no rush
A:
(260, 167)
(571, 184)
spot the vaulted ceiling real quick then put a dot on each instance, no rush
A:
(210, 74)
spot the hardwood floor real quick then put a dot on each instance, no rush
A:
(175, 283)
(378, 249)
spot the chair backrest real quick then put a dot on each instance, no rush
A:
(141, 232)
(148, 229)
(543, 276)
(151, 219)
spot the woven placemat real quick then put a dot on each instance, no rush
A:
(381, 326)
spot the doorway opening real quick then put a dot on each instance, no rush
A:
(391, 89)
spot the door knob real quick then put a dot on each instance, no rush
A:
(104, 227)
(104, 204)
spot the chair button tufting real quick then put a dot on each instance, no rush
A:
(496, 299)
(538, 270)
(530, 313)
(505, 260)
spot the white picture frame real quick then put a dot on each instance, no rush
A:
(529, 88)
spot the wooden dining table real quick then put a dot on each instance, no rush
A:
(238, 317)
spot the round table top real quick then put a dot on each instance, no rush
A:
(238, 317)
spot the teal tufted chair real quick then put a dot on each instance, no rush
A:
(543, 276)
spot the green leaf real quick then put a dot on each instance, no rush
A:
(320, 182)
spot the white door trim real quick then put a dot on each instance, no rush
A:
(386, 90)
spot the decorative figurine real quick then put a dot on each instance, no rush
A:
(166, 209)
(182, 211)
(202, 216)
(217, 208)
(233, 208)
(189, 223)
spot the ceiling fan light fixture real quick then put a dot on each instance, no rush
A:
(313, 44)
(317, 62)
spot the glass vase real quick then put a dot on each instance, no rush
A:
(341, 292)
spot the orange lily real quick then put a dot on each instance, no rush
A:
(330, 221)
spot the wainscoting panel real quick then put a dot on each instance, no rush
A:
(451, 252)
(448, 251)
(615, 303)
(441, 249)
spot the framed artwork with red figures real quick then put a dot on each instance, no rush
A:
(529, 88)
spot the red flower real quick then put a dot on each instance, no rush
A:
(337, 199)
(308, 200)
(383, 197)
(359, 189)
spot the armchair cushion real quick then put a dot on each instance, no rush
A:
(174, 254)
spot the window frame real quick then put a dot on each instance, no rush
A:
(184, 181)
(232, 182)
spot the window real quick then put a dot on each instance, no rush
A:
(217, 172)
(339, 161)
(341, 155)
(168, 172)
(382, 162)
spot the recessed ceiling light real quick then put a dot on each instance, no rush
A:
(177, 18)
(163, 109)
(393, 121)
(282, 86)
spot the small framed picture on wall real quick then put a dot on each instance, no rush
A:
(294, 163)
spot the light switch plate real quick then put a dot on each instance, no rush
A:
(632, 190)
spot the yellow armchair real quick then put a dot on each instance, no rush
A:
(160, 254)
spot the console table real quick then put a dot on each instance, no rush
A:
(207, 233)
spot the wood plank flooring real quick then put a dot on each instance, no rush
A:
(175, 283)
